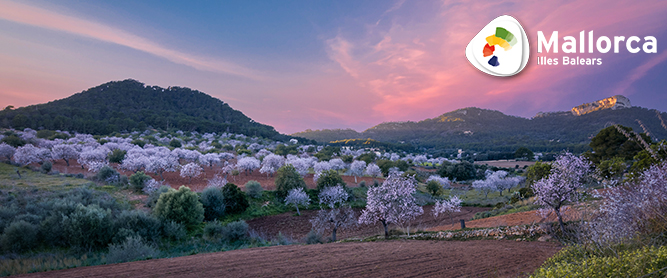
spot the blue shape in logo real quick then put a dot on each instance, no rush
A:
(494, 61)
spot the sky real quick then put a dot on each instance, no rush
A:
(299, 65)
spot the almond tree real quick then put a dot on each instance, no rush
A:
(419, 159)
(391, 203)
(321, 166)
(93, 158)
(444, 182)
(217, 182)
(26, 155)
(334, 212)
(162, 161)
(337, 164)
(448, 207)
(64, 152)
(226, 156)
(373, 170)
(357, 169)
(297, 197)
(209, 159)
(300, 164)
(191, 170)
(484, 186)
(6, 151)
(567, 175)
(135, 160)
(271, 164)
(247, 164)
(187, 155)
(228, 169)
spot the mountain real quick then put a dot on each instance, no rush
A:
(488, 130)
(130, 105)
(613, 103)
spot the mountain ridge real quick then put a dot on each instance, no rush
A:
(131, 105)
(485, 129)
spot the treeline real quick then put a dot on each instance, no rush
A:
(129, 105)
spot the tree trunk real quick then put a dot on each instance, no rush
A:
(66, 161)
(19, 173)
(386, 231)
(297, 210)
(355, 179)
(560, 220)
(333, 235)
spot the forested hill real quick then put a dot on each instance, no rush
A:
(130, 105)
(488, 130)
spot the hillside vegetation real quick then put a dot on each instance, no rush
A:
(484, 130)
(130, 105)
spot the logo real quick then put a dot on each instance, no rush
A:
(500, 48)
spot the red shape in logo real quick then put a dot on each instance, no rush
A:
(489, 49)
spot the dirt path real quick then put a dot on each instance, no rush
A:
(397, 258)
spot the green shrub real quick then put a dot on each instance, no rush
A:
(44, 133)
(574, 262)
(153, 197)
(526, 192)
(138, 180)
(19, 236)
(117, 156)
(46, 167)
(7, 213)
(13, 141)
(313, 237)
(138, 142)
(235, 231)
(288, 178)
(213, 231)
(362, 184)
(433, 187)
(329, 178)
(213, 202)
(107, 174)
(173, 231)
(235, 199)
(175, 143)
(89, 227)
(180, 205)
(254, 189)
(139, 223)
(131, 249)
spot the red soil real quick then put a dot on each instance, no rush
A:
(514, 219)
(297, 227)
(397, 258)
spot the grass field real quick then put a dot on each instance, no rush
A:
(30, 179)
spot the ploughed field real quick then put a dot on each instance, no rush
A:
(394, 258)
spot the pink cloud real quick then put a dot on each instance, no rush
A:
(420, 71)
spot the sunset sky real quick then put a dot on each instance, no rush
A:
(324, 64)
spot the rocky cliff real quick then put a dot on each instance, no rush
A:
(613, 103)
